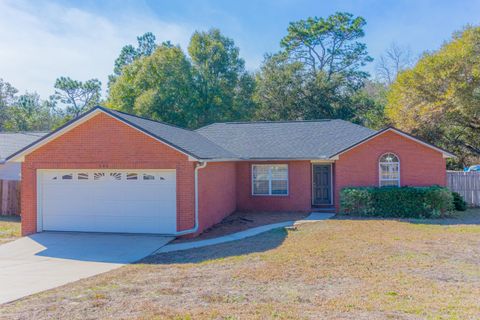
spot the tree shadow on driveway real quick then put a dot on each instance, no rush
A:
(256, 244)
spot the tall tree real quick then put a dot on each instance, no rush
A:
(29, 113)
(244, 105)
(329, 45)
(210, 86)
(78, 96)
(317, 73)
(370, 102)
(219, 73)
(439, 98)
(159, 86)
(280, 89)
(145, 46)
(395, 60)
(7, 97)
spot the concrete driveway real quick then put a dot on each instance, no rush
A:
(50, 259)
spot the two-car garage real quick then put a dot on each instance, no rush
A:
(124, 201)
(107, 171)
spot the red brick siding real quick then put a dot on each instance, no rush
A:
(298, 199)
(419, 165)
(104, 142)
(217, 192)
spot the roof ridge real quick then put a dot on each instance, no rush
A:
(268, 121)
(148, 119)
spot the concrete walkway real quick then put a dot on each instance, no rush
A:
(313, 217)
(50, 259)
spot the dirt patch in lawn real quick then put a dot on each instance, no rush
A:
(10, 228)
(335, 269)
(240, 221)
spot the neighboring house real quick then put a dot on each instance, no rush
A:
(11, 142)
(108, 171)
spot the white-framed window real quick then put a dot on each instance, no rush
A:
(270, 179)
(389, 170)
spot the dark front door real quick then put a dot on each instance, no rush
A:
(322, 184)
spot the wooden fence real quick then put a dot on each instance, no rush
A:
(9, 197)
(467, 184)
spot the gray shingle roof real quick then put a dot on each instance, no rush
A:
(11, 142)
(188, 141)
(319, 139)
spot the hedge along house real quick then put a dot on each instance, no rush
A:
(108, 171)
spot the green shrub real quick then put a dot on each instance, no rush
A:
(458, 202)
(358, 200)
(404, 202)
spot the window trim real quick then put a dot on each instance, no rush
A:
(380, 170)
(270, 180)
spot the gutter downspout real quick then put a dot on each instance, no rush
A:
(199, 166)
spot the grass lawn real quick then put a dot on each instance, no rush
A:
(9, 228)
(343, 268)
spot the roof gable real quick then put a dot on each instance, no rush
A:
(185, 141)
(445, 153)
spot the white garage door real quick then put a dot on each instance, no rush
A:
(132, 201)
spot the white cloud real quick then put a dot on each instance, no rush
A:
(42, 41)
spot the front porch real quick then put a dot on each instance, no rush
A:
(311, 187)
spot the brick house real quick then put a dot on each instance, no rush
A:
(108, 171)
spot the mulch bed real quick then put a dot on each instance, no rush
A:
(240, 221)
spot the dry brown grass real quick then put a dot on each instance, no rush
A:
(9, 228)
(337, 269)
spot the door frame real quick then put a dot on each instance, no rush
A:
(313, 185)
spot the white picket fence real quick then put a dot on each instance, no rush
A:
(467, 184)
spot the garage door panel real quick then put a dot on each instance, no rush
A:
(131, 208)
(64, 208)
(109, 201)
(127, 195)
(127, 224)
(111, 208)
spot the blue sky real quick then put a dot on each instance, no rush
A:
(42, 40)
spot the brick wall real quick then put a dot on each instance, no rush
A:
(217, 192)
(298, 199)
(106, 143)
(419, 165)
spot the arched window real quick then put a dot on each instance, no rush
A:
(389, 170)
